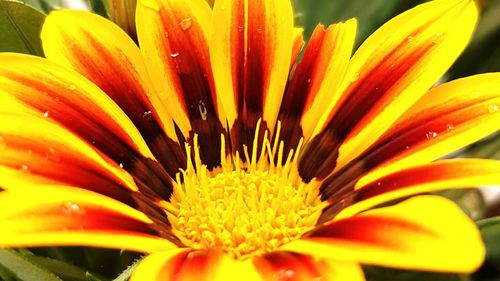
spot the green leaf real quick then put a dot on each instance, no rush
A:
(124, 276)
(486, 148)
(482, 54)
(98, 7)
(65, 271)
(20, 27)
(24, 269)
(490, 230)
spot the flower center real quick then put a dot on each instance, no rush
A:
(244, 207)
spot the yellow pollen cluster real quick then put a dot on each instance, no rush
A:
(244, 207)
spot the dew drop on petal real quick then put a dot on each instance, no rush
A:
(146, 114)
(186, 23)
(46, 114)
(410, 39)
(438, 37)
(24, 167)
(493, 108)
(407, 147)
(174, 55)
(431, 135)
(449, 127)
(165, 34)
(71, 208)
(121, 165)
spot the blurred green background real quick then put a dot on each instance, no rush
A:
(20, 24)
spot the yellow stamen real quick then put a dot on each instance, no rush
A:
(243, 207)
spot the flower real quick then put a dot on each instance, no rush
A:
(215, 151)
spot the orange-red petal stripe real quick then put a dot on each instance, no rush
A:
(109, 58)
(31, 215)
(187, 264)
(391, 70)
(251, 52)
(44, 89)
(177, 57)
(423, 233)
(36, 149)
(440, 175)
(449, 117)
(297, 267)
(318, 74)
(62, 95)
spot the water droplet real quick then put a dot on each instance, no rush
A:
(438, 37)
(46, 114)
(165, 34)
(259, 30)
(24, 167)
(430, 135)
(186, 23)
(121, 165)
(309, 81)
(410, 39)
(174, 55)
(493, 108)
(449, 127)
(146, 114)
(203, 110)
(72, 87)
(407, 147)
(71, 208)
(241, 28)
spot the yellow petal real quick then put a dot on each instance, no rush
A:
(251, 50)
(34, 216)
(185, 264)
(449, 117)
(391, 70)
(423, 233)
(102, 52)
(440, 175)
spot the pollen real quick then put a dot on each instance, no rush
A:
(245, 208)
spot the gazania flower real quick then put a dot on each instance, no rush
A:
(215, 151)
